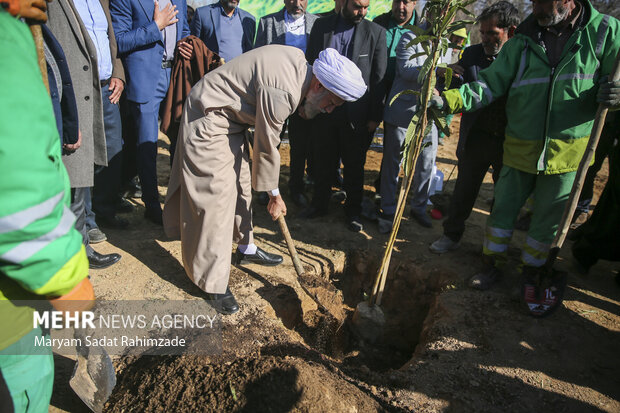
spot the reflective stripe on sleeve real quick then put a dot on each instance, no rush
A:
(578, 76)
(602, 31)
(27, 249)
(20, 220)
(521, 65)
(477, 100)
(485, 89)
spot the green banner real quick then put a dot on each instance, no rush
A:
(265, 7)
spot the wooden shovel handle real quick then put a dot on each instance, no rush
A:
(580, 176)
(291, 246)
(35, 29)
(299, 269)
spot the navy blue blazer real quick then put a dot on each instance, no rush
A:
(206, 26)
(140, 45)
(65, 108)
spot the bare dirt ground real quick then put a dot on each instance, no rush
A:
(445, 347)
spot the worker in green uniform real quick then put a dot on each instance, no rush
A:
(554, 73)
(41, 253)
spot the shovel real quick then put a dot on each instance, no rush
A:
(93, 377)
(543, 291)
(302, 279)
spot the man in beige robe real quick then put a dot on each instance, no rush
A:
(209, 194)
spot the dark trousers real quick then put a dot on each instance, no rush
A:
(481, 151)
(78, 207)
(108, 178)
(333, 136)
(598, 237)
(299, 137)
(604, 148)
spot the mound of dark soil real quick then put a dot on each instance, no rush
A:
(265, 384)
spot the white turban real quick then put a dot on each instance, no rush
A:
(339, 75)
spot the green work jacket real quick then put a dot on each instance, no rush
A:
(41, 253)
(550, 110)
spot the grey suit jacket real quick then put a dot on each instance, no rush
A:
(66, 25)
(272, 28)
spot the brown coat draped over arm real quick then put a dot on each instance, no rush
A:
(185, 74)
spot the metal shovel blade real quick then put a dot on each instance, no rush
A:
(93, 377)
(299, 269)
(368, 321)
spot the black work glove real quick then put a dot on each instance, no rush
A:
(436, 102)
(609, 93)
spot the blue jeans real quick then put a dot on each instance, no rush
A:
(390, 167)
(89, 215)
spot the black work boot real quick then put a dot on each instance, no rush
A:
(484, 279)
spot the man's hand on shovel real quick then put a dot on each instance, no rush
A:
(276, 206)
(609, 94)
(32, 10)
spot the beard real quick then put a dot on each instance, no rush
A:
(353, 18)
(548, 20)
(230, 4)
(297, 13)
(491, 49)
(310, 106)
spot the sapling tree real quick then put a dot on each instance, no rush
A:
(439, 16)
